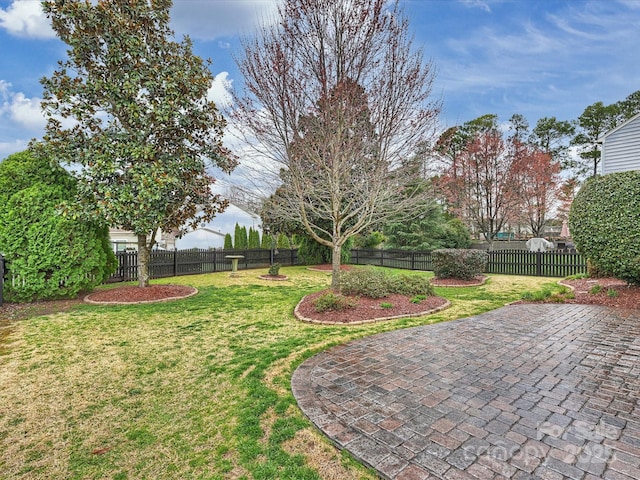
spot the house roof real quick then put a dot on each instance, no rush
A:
(603, 137)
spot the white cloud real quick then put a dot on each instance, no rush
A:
(26, 112)
(7, 148)
(477, 4)
(25, 18)
(208, 20)
(220, 91)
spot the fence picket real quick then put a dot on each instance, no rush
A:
(191, 262)
(509, 262)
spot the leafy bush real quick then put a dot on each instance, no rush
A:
(459, 263)
(330, 302)
(372, 283)
(386, 305)
(365, 282)
(604, 224)
(274, 269)
(50, 255)
(595, 289)
(410, 285)
(418, 298)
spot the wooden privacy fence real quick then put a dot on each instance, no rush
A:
(510, 262)
(190, 262)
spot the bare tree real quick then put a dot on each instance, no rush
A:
(484, 182)
(539, 183)
(337, 95)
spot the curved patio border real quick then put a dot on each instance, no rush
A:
(526, 391)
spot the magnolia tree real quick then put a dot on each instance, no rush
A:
(144, 133)
(338, 97)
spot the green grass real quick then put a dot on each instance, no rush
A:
(196, 388)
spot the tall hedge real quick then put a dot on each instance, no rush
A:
(49, 255)
(604, 222)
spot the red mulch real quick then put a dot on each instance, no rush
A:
(368, 309)
(327, 267)
(275, 278)
(625, 296)
(134, 294)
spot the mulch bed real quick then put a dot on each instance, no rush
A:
(369, 309)
(135, 294)
(275, 278)
(613, 292)
(327, 267)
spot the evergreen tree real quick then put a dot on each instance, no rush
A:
(254, 239)
(228, 242)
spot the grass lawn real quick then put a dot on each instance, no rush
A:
(196, 388)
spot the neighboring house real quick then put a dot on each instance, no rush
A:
(207, 235)
(621, 147)
(122, 240)
(211, 234)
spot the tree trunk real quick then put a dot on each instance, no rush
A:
(335, 268)
(144, 256)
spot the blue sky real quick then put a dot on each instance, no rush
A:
(539, 58)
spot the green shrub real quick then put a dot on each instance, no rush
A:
(274, 269)
(604, 224)
(365, 282)
(595, 289)
(386, 305)
(373, 283)
(331, 302)
(50, 256)
(418, 298)
(410, 285)
(458, 263)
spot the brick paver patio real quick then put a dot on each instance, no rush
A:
(527, 391)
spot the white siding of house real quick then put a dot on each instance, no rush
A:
(621, 148)
(211, 235)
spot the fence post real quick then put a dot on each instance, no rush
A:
(175, 262)
(1, 277)
(539, 263)
(123, 257)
